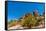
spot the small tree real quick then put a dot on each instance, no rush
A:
(29, 21)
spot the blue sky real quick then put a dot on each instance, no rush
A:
(18, 9)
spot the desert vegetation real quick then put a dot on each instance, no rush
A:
(29, 21)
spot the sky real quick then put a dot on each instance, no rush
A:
(18, 9)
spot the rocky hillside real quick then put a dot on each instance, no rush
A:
(28, 21)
